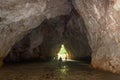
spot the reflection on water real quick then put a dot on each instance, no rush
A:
(54, 71)
(63, 71)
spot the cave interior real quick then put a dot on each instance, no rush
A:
(44, 42)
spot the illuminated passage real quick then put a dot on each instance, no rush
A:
(62, 53)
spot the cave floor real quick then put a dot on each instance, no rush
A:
(70, 70)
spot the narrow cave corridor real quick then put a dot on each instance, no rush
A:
(45, 41)
(37, 55)
(59, 39)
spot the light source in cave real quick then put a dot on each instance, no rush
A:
(63, 53)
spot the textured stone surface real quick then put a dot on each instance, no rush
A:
(19, 16)
(44, 41)
(75, 39)
(1, 61)
(96, 22)
(102, 20)
(41, 42)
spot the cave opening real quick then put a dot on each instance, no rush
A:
(39, 31)
(63, 53)
(64, 36)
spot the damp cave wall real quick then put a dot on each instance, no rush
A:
(101, 18)
(45, 41)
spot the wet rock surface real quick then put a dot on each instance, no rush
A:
(75, 39)
(17, 17)
(71, 70)
(102, 20)
(92, 29)
(44, 41)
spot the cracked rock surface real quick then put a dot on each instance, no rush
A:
(93, 28)
(17, 17)
(102, 20)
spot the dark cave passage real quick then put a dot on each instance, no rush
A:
(44, 42)
(59, 39)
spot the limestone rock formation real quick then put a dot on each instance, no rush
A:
(90, 26)
(17, 17)
(75, 39)
(102, 20)
(45, 41)
(42, 42)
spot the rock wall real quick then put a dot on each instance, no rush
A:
(102, 19)
(19, 16)
(75, 38)
(45, 41)
(97, 22)
(42, 42)
(1, 61)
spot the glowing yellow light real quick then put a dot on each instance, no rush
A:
(62, 53)
(62, 56)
